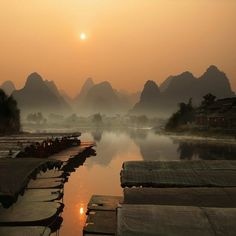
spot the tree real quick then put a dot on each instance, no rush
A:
(36, 118)
(97, 119)
(9, 114)
(208, 100)
(73, 118)
(183, 116)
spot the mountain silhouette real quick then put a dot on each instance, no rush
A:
(52, 86)
(184, 86)
(216, 82)
(8, 87)
(180, 88)
(165, 84)
(40, 96)
(88, 84)
(149, 99)
(101, 98)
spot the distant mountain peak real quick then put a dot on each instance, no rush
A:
(186, 74)
(51, 82)
(34, 76)
(102, 89)
(8, 82)
(150, 83)
(88, 84)
(212, 68)
(149, 98)
(101, 98)
(104, 84)
(150, 91)
(165, 84)
(51, 85)
(89, 80)
(8, 87)
(213, 72)
(40, 95)
(177, 81)
(182, 87)
(34, 80)
(216, 82)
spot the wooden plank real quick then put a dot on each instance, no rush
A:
(78, 160)
(41, 195)
(180, 165)
(201, 197)
(178, 178)
(222, 220)
(104, 203)
(25, 231)
(65, 155)
(149, 220)
(50, 174)
(30, 214)
(46, 183)
(16, 173)
(231, 193)
(101, 222)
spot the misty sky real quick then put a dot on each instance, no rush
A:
(127, 41)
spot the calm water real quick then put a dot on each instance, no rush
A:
(100, 174)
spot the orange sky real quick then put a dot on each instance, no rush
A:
(128, 41)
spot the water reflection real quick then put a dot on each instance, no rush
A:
(154, 146)
(186, 151)
(207, 151)
(97, 135)
(81, 211)
(110, 146)
(138, 134)
(80, 208)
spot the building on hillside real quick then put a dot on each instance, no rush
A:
(220, 113)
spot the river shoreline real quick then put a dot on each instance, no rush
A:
(200, 136)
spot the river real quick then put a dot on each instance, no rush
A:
(101, 173)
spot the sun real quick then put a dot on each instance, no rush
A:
(83, 36)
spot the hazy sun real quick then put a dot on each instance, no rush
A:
(83, 36)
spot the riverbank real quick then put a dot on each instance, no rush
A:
(198, 136)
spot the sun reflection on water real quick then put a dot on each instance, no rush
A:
(81, 213)
(81, 210)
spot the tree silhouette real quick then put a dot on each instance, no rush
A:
(208, 100)
(97, 119)
(9, 114)
(184, 115)
(37, 118)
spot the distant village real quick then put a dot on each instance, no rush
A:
(219, 113)
(212, 115)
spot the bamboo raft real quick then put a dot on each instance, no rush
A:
(168, 198)
(31, 188)
(142, 220)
